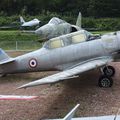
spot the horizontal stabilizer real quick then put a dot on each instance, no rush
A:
(4, 58)
(15, 97)
(7, 61)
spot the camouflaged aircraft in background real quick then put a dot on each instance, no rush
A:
(71, 54)
(70, 116)
(56, 27)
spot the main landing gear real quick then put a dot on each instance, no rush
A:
(105, 79)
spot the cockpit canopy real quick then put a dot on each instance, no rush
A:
(56, 21)
(65, 40)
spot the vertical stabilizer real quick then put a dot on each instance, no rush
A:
(78, 22)
(70, 115)
(22, 20)
(3, 55)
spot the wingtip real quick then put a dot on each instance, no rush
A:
(31, 84)
(21, 87)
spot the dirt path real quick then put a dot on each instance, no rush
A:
(55, 101)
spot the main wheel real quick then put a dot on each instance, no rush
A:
(109, 71)
(105, 81)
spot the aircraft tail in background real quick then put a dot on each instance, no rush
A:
(78, 22)
(22, 20)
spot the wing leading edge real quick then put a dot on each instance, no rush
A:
(78, 69)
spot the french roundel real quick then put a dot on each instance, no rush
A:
(33, 63)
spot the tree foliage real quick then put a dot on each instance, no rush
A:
(93, 8)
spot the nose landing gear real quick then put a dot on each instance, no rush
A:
(105, 79)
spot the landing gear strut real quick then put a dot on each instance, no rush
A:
(105, 79)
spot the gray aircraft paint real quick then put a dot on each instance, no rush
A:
(56, 27)
(53, 59)
(34, 22)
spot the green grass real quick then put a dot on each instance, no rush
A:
(101, 32)
(17, 36)
(20, 45)
(25, 41)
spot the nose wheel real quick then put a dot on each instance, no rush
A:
(109, 71)
(105, 79)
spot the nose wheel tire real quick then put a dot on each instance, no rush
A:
(105, 81)
(109, 71)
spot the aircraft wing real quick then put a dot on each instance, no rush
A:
(74, 70)
(28, 31)
(110, 117)
(16, 97)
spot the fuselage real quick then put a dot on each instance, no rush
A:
(55, 28)
(49, 31)
(31, 23)
(65, 56)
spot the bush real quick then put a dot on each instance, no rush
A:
(100, 24)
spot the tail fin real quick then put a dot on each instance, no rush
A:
(22, 20)
(70, 115)
(3, 55)
(78, 22)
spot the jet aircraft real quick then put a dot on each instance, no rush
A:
(34, 22)
(56, 27)
(70, 116)
(71, 54)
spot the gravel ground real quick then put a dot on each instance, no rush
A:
(58, 99)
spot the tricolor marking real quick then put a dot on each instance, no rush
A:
(33, 63)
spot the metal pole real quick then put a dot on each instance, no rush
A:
(16, 46)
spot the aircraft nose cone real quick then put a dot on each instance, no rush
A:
(38, 32)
